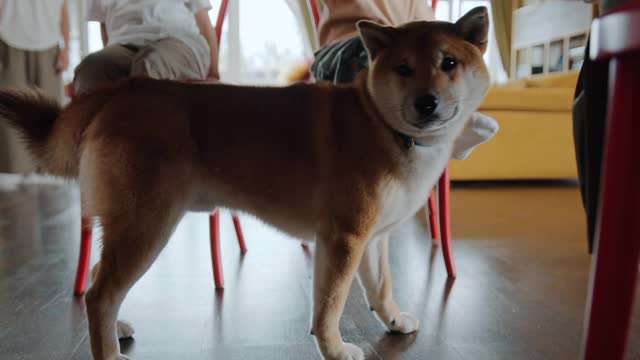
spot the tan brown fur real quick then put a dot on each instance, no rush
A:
(317, 161)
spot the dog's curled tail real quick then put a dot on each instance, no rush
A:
(34, 115)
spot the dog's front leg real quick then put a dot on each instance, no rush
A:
(375, 276)
(337, 260)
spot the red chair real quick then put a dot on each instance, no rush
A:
(84, 258)
(214, 219)
(616, 37)
(444, 186)
(444, 190)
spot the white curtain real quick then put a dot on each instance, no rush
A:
(262, 38)
(230, 56)
(302, 11)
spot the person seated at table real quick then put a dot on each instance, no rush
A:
(342, 55)
(161, 39)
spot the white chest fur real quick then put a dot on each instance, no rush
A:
(401, 199)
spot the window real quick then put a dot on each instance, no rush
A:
(269, 40)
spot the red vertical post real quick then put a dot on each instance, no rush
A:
(239, 234)
(315, 11)
(617, 251)
(444, 188)
(84, 258)
(216, 258)
(222, 12)
(433, 218)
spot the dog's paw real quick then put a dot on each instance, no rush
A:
(404, 324)
(350, 352)
(123, 357)
(124, 330)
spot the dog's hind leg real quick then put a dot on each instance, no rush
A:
(138, 212)
(337, 260)
(375, 276)
(124, 328)
(130, 247)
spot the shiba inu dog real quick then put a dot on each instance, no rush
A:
(339, 164)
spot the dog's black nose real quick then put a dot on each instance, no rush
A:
(426, 105)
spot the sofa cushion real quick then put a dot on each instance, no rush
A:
(528, 99)
(559, 80)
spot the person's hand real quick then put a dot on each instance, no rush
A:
(62, 62)
(213, 73)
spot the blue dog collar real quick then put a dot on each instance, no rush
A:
(410, 142)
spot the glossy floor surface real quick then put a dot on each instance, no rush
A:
(520, 292)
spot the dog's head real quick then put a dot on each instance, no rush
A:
(428, 77)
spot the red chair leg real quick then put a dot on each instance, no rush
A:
(433, 218)
(617, 250)
(239, 234)
(84, 258)
(216, 258)
(445, 223)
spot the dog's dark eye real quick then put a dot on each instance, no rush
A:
(448, 64)
(404, 70)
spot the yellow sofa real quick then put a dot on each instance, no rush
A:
(535, 140)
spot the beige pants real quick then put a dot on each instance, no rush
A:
(21, 68)
(168, 59)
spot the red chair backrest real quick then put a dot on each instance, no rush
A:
(222, 12)
(314, 10)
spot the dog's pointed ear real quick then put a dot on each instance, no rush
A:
(474, 27)
(375, 37)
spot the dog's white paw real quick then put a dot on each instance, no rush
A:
(123, 357)
(124, 330)
(404, 324)
(350, 352)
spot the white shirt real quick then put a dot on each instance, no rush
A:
(139, 22)
(31, 24)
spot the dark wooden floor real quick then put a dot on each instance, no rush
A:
(520, 292)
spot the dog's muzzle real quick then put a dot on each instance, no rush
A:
(435, 120)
